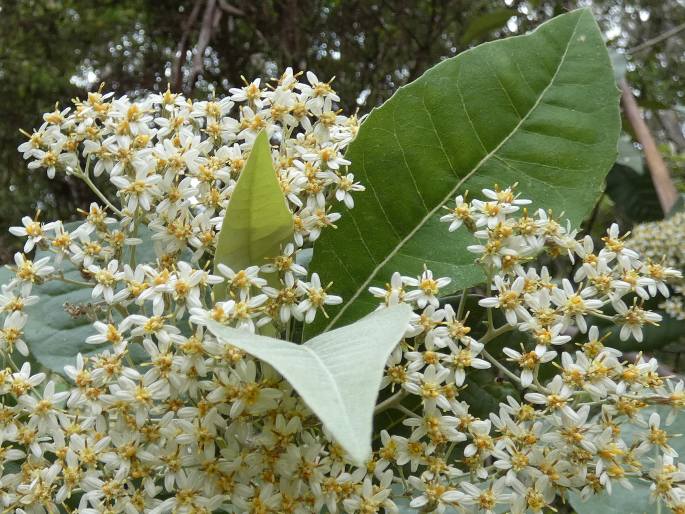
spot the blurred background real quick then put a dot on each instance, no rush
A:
(54, 50)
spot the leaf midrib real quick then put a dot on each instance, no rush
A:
(452, 191)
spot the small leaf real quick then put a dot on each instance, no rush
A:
(257, 221)
(486, 23)
(337, 374)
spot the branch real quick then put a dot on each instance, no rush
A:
(669, 122)
(663, 183)
(658, 39)
(210, 19)
(181, 51)
(230, 9)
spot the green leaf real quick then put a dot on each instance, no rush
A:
(337, 374)
(257, 222)
(482, 25)
(625, 501)
(540, 110)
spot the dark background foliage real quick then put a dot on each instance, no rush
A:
(54, 50)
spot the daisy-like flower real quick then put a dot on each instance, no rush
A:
(481, 443)
(315, 299)
(242, 281)
(461, 358)
(614, 248)
(12, 332)
(109, 333)
(345, 184)
(139, 191)
(490, 214)
(657, 436)
(661, 276)
(632, 319)
(286, 263)
(106, 281)
(30, 272)
(393, 292)
(372, 498)
(509, 299)
(575, 305)
(486, 500)
(429, 386)
(529, 361)
(439, 495)
(33, 230)
(250, 93)
(557, 399)
(42, 409)
(427, 290)
(460, 214)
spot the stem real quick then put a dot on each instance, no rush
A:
(501, 367)
(406, 411)
(66, 280)
(84, 176)
(494, 333)
(390, 401)
(462, 305)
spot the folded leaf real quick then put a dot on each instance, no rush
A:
(337, 374)
(540, 110)
(257, 221)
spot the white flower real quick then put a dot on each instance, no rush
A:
(509, 299)
(461, 213)
(34, 231)
(428, 289)
(633, 319)
(106, 281)
(316, 298)
(575, 305)
(557, 398)
(140, 191)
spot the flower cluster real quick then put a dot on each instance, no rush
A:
(161, 416)
(173, 163)
(663, 244)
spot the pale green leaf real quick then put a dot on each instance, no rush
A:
(540, 110)
(337, 374)
(258, 221)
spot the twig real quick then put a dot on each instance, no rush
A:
(182, 49)
(663, 183)
(657, 39)
(390, 401)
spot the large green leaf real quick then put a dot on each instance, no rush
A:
(625, 501)
(337, 374)
(540, 110)
(257, 222)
